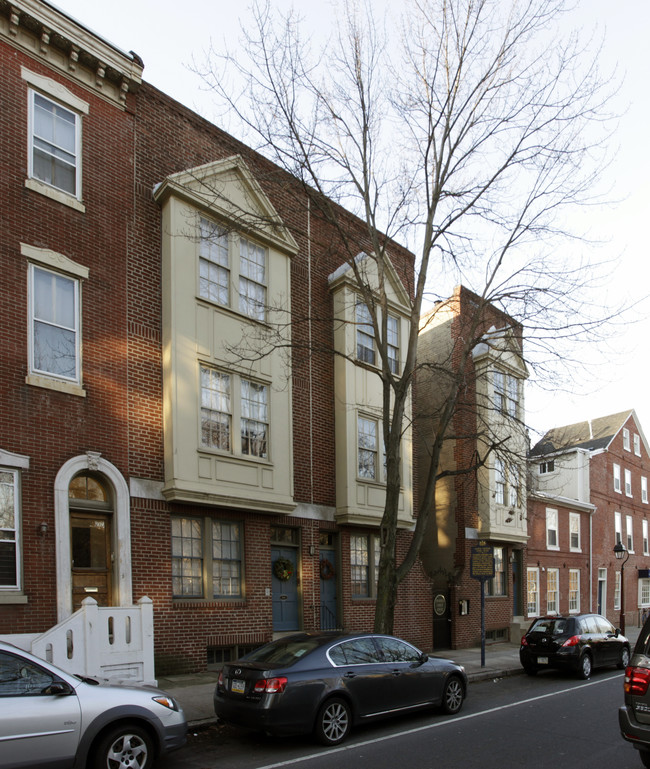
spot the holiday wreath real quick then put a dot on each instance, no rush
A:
(326, 569)
(283, 569)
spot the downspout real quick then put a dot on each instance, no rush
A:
(591, 560)
(311, 378)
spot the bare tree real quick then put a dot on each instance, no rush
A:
(468, 131)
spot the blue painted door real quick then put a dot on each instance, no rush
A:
(285, 592)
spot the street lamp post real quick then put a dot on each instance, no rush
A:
(620, 552)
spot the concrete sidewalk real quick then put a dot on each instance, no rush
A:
(194, 691)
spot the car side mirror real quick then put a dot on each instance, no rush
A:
(423, 658)
(617, 632)
(58, 688)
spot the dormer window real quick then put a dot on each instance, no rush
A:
(546, 467)
(626, 439)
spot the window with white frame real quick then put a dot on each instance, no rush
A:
(218, 391)
(506, 393)
(646, 550)
(216, 414)
(392, 343)
(54, 338)
(252, 279)
(10, 563)
(499, 383)
(225, 257)
(532, 588)
(513, 487)
(618, 529)
(637, 444)
(512, 395)
(628, 483)
(54, 144)
(499, 482)
(367, 448)
(629, 533)
(497, 585)
(552, 542)
(617, 590)
(617, 478)
(254, 419)
(214, 263)
(644, 490)
(206, 558)
(552, 590)
(644, 592)
(365, 334)
(364, 565)
(574, 532)
(546, 467)
(626, 439)
(574, 590)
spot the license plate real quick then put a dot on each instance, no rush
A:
(237, 686)
(542, 660)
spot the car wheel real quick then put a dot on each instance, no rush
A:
(453, 695)
(644, 755)
(530, 670)
(584, 666)
(333, 722)
(126, 745)
(625, 658)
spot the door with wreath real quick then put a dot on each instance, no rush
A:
(284, 578)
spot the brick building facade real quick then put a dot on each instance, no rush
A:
(141, 452)
(590, 492)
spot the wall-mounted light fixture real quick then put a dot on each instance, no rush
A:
(42, 529)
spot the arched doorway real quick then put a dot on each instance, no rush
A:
(91, 542)
(67, 508)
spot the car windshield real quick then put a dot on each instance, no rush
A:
(283, 652)
(550, 626)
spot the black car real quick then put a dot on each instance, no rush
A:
(326, 682)
(634, 715)
(580, 643)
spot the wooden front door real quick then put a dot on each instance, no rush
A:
(92, 565)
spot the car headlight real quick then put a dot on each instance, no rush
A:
(167, 702)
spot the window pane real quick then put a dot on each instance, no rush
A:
(215, 409)
(367, 448)
(187, 561)
(359, 565)
(252, 280)
(254, 422)
(226, 559)
(54, 144)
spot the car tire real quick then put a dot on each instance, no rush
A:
(333, 721)
(453, 695)
(126, 742)
(624, 661)
(644, 755)
(530, 670)
(584, 666)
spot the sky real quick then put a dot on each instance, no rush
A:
(169, 36)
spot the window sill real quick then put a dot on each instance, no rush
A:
(208, 603)
(54, 194)
(13, 598)
(38, 380)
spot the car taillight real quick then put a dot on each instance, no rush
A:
(270, 685)
(573, 641)
(636, 681)
(524, 641)
(220, 681)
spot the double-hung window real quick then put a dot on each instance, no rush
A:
(637, 444)
(629, 533)
(367, 448)
(552, 542)
(10, 571)
(646, 551)
(392, 343)
(254, 419)
(54, 324)
(214, 263)
(365, 334)
(497, 585)
(626, 439)
(574, 532)
(552, 590)
(55, 140)
(513, 488)
(499, 482)
(364, 565)
(574, 591)
(532, 605)
(216, 414)
(617, 478)
(618, 529)
(206, 558)
(546, 467)
(252, 279)
(628, 483)
(644, 490)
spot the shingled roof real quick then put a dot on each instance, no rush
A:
(592, 435)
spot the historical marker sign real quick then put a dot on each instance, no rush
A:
(482, 562)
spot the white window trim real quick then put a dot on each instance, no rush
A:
(575, 517)
(629, 533)
(556, 573)
(644, 490)
(646, 543)
(576, 609)
(55, 91)
(617, 589)
(628, 482)
(55, 262)
(627, 446)
(535, 612)
(15, 463)
(637, 444)
(618, 528)
(617, 478)
(552, 516)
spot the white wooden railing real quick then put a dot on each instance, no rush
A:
(110, 643)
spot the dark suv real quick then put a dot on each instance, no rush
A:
(634, 715)
(580, 642)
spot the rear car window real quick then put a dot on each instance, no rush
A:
(282, 654)
(550, 626)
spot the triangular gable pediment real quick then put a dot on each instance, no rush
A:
(227, 190)
(367, 266)
(499, 344)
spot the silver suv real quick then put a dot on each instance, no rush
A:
(49, 718)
